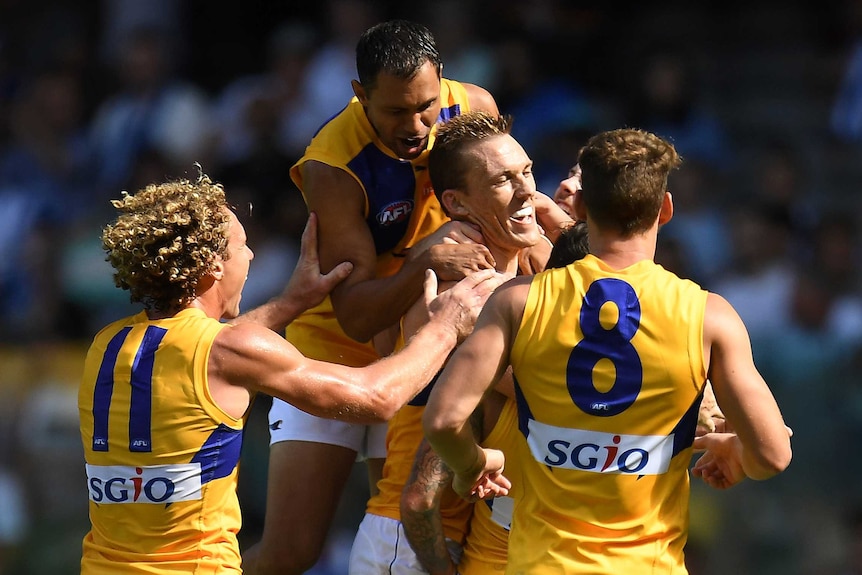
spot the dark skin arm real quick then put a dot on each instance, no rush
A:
(365, 304)
(306, 288)
(481, 99)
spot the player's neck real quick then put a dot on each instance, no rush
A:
(505, 258)
(620, 253)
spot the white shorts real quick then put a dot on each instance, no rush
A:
(381, 548)
(289, 423)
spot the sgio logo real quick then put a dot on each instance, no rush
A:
(395, 212)
(599, 452)
(152, 484)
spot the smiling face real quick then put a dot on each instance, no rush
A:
(403, 110)
(499, 194)
(564, 195)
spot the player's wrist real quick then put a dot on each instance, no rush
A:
(475, 467)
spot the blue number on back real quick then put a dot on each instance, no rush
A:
(613, 344)
(140, 408)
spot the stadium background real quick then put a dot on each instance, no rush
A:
(767, 113)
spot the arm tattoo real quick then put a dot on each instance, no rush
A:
(420, 510)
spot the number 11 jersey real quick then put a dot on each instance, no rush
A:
(161, 457)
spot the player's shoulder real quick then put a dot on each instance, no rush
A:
(237, 337)
(512, 294)
(479, 98)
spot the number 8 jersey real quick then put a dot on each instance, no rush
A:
(161, 456)
(609, 372)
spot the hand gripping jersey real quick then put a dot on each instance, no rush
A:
(487, 544)
(161, 457)
(609, 370)
(401, 209)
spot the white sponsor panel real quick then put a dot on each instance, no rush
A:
(146, 484)
(599, 452)
(501, 511)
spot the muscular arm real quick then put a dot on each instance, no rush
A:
(365, 304)
(248, 358)
(760, 447)
(306, 288)
(420, 511)
(473, 368)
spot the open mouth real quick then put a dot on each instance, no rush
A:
(412, 146)
(524, 216)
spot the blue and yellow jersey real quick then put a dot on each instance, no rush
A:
(401, 209)
(486, 547)
(609, 371)
(161, 457)
(403, 437)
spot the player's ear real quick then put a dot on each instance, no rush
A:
(451, 200)
(217, 271)
(579, 210)
(359, 92)
(666, 211)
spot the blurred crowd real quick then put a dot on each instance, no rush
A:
(112, 95)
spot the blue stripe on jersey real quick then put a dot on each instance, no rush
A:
(329, 119)
(141, 404)
(219, 454)
(450, 112)
(390, 187)
(683, 433)
(104, 389)
(524, 413)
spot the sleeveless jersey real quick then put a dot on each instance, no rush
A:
(486, 547)
(609, 371)
(403, 437)
(401, 209)
(161, 457)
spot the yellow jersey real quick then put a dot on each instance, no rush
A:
(403, 437)
(486, 547)
(609, 371)
(161, 457)
(401, 209)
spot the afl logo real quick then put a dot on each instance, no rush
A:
(395, 212)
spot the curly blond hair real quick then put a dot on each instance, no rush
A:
(165, 240)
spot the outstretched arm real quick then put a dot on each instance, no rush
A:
(760, 446)
(247, 358)
(474, 367)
